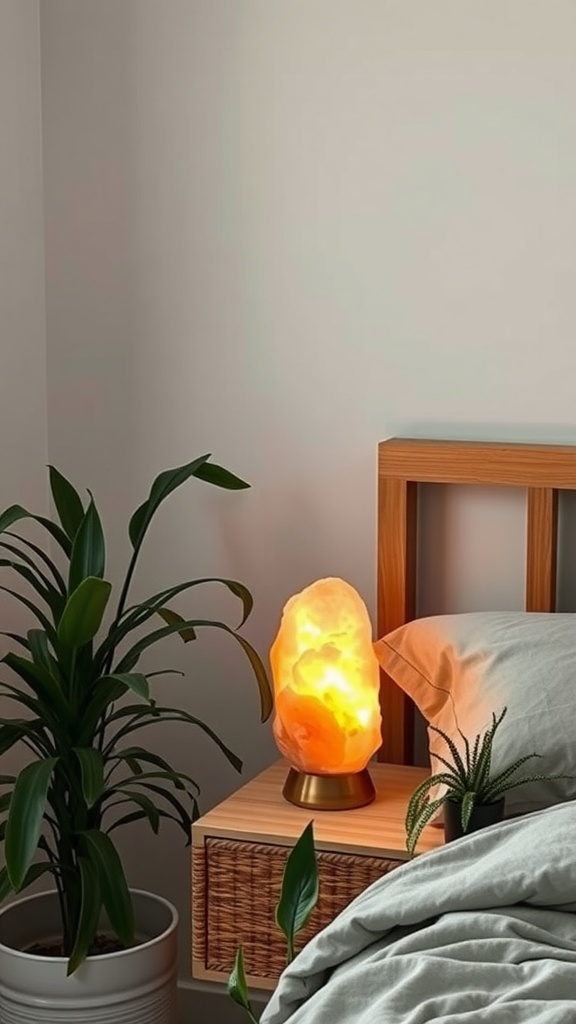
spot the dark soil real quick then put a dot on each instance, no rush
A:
(102, 944)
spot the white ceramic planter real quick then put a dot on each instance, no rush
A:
(134, 986)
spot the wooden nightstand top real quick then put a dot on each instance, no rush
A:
(258, 813)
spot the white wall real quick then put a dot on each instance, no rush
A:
(281, 231)
(23, 442)
(23, 423)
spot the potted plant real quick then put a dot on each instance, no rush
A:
(298, 897)
(82, 695)
(472, 797)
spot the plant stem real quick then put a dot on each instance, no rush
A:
(64, 894)
(122, 603)
(44, 844)
(72, 671)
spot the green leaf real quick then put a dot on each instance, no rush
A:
(239, 590)
(49, 594)
(5, 887)
(38, 646)
(130, 659)
(47, 689)
(481, 775)
(426, 814)
(102, 853)
(475, 753)
(493, 785)
(458, 762)
(146, 805)
(49, 587)
(58, 579)
(105, 694)
(148, 757)
(264, 688)
(34, 872)
(134, 711)
(237, 987)
(14, 730)
(483, 763)
(144, 716)
(11, 733)
(92, 773)
(126, 819)
(134, 681)
(129, 819)
(90, 907)
(162, 672)
(185, 818)
(419, 798)
(17, 638)
(163, 485)
(88, 550)
(175, 619)
(448, 764)
(468, 802)
(67, 501)
(12, 515)
(138, 614)
(495, 796)
(15, 513)
(13, 693)
(37, 612)
(174, 777)
(299, 893)
(211, 473)
(25, 818)
(467, 752)
(83, 613)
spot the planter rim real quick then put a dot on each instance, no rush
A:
(477, 803)
(21, 954)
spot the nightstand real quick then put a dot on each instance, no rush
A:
(238, 854)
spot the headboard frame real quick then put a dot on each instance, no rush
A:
(403, 463)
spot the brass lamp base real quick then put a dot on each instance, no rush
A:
(329, 792)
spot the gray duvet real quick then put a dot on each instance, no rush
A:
(481, 930)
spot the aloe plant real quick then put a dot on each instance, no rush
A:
(466, 779)
(298, 897)
(83, 695)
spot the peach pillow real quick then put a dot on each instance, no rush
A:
(459, 668)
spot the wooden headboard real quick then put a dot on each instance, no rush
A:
(403, 463)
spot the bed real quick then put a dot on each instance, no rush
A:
(482, 929)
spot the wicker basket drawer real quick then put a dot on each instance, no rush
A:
(239, 849)
(236, 886)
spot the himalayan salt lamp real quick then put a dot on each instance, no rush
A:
(326, 692)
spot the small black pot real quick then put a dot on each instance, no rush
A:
(482, 816)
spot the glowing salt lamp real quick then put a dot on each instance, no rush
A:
(326, 687)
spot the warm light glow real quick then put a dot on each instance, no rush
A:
(326, 681)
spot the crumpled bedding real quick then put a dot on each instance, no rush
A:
(480, 930)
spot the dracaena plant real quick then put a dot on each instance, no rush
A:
(83, 694)
(466, 778)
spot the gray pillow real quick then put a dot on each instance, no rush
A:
(458, 669)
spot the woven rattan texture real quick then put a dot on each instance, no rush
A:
(236, 888)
